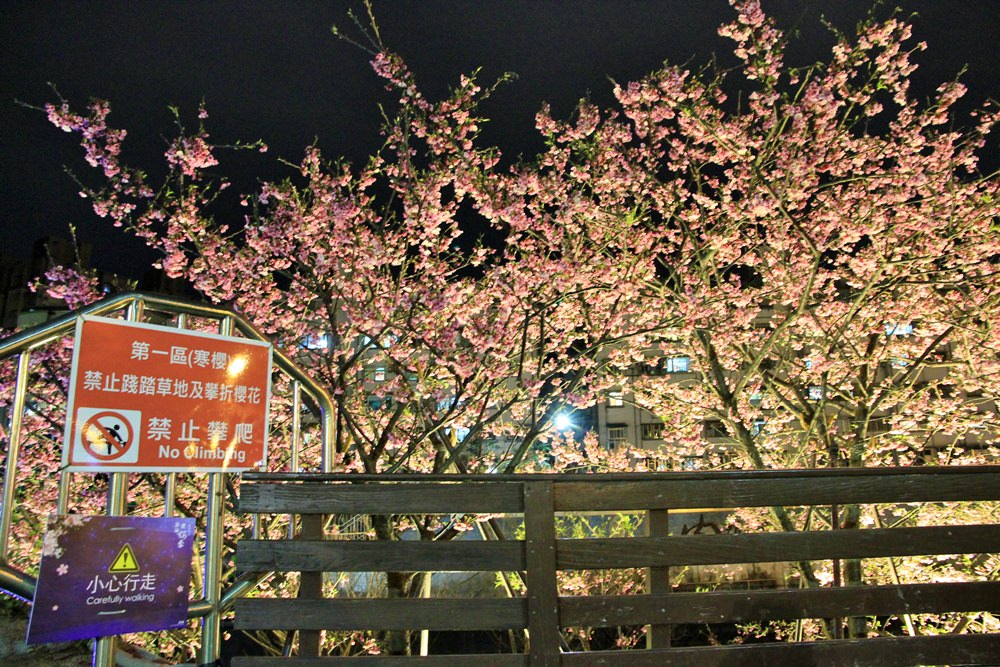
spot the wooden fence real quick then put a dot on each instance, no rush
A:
(543, 612)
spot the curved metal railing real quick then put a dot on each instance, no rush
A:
(135, 306)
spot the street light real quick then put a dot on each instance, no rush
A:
(563, 422)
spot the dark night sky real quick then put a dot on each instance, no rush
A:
(272, 70)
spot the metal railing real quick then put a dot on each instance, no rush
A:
(137, 307)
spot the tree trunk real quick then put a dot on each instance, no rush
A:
(397, 586)
(857, 626)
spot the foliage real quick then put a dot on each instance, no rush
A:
(828, 246)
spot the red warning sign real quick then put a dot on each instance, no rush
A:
(157, 399)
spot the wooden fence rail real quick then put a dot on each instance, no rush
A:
(540, 555)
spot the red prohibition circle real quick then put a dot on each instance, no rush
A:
(93, 434)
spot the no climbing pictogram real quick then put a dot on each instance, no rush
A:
(106, 436)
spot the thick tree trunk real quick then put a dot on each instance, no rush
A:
(857, 626)
(397, 586)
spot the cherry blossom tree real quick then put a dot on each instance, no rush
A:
(829, 245)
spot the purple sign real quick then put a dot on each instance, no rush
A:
(107, 575)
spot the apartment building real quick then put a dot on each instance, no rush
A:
(619, 420)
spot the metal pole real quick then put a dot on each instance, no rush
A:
(212, 587)
(104, 647)
(294, 464)
(13, 452)
(170, 478)
(211, 632)
(62, 502)
(329, 433)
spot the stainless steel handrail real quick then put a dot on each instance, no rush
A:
(214, 600)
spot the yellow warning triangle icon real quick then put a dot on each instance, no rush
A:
(125, 561)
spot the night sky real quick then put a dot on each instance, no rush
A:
(273, 71)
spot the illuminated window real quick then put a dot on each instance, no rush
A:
(616, 399)
(652, 431)
(316, 342)
(898, 329)
(815, 393)
(666, 365)
(617, 435)
(677, 364)
(379, 374)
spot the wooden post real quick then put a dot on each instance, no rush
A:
(658, 578)
(543, 593)
(838, 622)
(310, 585)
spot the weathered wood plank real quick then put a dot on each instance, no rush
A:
(310, 585)
(880, 652)
(479, 660)
(763, 605)
(364, 556)
(928, 472)
(681, 492)
(472, 497)
(381, 614)
(543, 594)
(774, 547)
(657, 580)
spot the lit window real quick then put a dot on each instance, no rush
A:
(652, 431)
(666, 365)
(379, 375)
(616, 399)
(898, 329)
(316, 342)
(677, 364)
(758, 426)
(815, 393)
